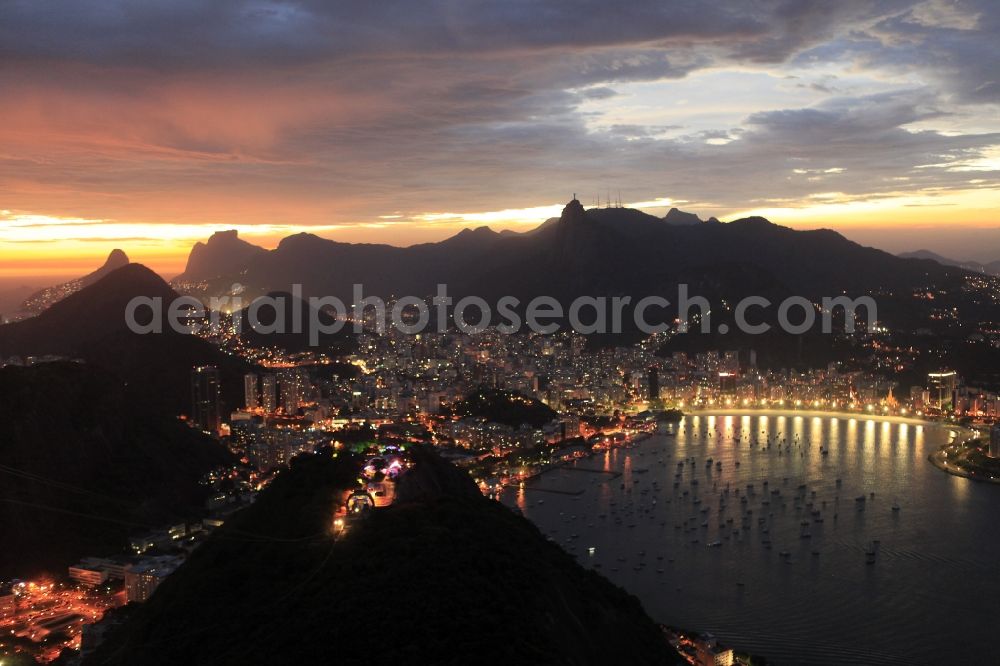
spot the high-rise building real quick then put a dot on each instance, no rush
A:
(250, 392)
(205, 406)
(730, 362)
(942, 385)
(243, 432)
(727, 383)
(653, 377)
(293, 389)
(269, 393)
(142, 578)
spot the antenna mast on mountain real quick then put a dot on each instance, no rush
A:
(620, 199)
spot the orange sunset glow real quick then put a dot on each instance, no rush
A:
(297, 122)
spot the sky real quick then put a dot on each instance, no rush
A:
(149, 125)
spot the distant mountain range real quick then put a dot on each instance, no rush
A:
(597, 252)
(600, 251)
(45, 298)
(443, 576)
(991, 268)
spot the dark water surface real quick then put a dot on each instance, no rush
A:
(932, 595)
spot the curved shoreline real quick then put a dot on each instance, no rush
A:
(812, 413)
(936, 458)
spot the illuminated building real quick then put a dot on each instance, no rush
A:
(244, 431)
(269, 448)
(205, 407)
(730, 362)
(142, 579)
(250, 392)
(87, 576)
(727, 383)
(145, 542)
(269, 394)
(382, 493)
(360, 502)
(710, 653)
(941, 386)
(919, 397)
(293, 389)
(88, 570)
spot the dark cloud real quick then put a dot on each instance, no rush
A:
(640, 131)
(333, 111)
(203, 34)
(602, 92)
(955, 43)
(794, 25)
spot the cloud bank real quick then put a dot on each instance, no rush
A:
(327, 113)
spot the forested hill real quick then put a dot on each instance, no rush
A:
(444, 576)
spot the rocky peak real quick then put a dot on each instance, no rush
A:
(573, 213)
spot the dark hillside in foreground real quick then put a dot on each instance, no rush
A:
(82, 467)
(445, 576)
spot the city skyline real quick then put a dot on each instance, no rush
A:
(151, 128)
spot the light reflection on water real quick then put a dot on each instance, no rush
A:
(929, 598)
